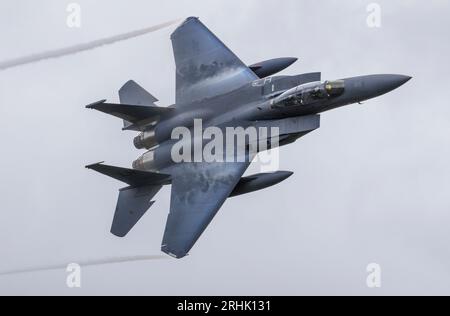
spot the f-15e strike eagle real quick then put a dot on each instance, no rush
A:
(213, 85)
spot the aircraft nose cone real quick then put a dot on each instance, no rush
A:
(381, 84)
(367, 87)
(395, 81)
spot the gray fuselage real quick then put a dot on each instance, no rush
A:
(252, 103)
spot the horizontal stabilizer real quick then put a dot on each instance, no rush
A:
(132, 204)
(130, 113)
(131, 176)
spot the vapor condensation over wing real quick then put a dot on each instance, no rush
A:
(86, 263)
(81, 47)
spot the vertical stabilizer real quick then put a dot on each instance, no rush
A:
(132, 93)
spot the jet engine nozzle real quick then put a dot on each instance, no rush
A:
(145, 162)
(145, 140)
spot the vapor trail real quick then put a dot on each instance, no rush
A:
(85, 264)
(81, 47)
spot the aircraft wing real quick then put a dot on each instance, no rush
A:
(198, 192)
(205, 67)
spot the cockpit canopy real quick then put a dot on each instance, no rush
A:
(310, 93)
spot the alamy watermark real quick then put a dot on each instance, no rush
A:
(73, 19)
(73, 279)
(374, 277)
(228, 144)
(374, 18)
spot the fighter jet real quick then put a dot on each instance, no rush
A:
(214, 86)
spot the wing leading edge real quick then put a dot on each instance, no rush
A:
(205, 67)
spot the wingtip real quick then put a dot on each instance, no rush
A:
(172, 253)
(94, 164)
(191, 18)
(183, 24)
(93, 105)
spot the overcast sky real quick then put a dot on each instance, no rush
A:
(371, 185)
